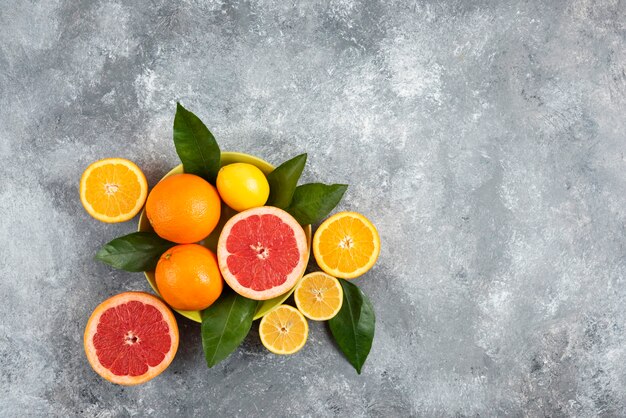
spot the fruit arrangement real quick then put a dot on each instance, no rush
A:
(225, 239)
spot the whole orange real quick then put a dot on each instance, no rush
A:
(188, 277)
(183, 208)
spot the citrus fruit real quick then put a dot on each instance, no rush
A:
(242, 186)
(113, 190)
(319, 296)
(131, 338)
(284, 330)
(262, 252)
(183, 208)
(346, 245)
(188, 278)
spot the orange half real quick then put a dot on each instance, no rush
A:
(113, 190)
(346, 245)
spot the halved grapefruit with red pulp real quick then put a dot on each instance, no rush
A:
(262, 252)
(131, 338)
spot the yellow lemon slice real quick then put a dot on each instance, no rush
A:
(319, 296)
(284, 330)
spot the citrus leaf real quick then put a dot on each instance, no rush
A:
(353, 327)
(283, 181)
(139, 251)
(195, 145)
(225, 324)
(313, 202)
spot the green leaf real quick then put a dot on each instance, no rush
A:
(225, 324)
(195, 145)
(283, 181)
(353, 326)
(313, 202)
(139, 251)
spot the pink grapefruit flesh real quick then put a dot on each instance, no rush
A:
(262, 252)
(131, 338)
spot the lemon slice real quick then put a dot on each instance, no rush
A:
(284, 330)
(319, 296)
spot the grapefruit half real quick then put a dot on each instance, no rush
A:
(131, 338)
(262, 252)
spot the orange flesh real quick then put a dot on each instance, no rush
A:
(112, 189)
(347, 244)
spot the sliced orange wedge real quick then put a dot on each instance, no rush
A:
(318, 296)
(346, 245)
(113, 190)
(284, 330)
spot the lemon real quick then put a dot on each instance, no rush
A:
(283, 330)
(319, 296)
(242, 186)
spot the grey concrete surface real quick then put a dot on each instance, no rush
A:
(485, 139)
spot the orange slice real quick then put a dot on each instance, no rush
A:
(113, 190)
(346, 245)
(284, 330)
(319, 296)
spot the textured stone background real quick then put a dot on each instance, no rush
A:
(486, 142)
